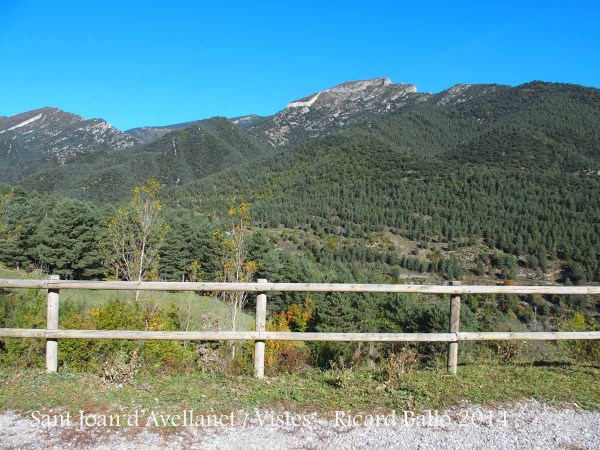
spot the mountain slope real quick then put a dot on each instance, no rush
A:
(146, 135)
(55, 135)
(334, 109)
(474, 168)
(206, 147)
(248, 121)
(535, 126)
(317, 115)
(532, 126)
(453, 128)
(409, 174)
(180, 156)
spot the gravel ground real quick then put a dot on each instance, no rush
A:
(523, 425)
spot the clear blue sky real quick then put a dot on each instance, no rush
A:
(138, 63)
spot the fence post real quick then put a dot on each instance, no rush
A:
(261, 326)
(454, 327)
(52, 324)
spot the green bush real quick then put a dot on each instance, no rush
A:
(28, 310)
(581, 349)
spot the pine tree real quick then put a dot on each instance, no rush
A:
(68, 241)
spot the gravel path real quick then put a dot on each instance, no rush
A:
(524, 425)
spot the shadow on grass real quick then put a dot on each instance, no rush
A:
(561, 364)
(543, 363)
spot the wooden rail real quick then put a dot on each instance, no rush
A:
(53, 285)
(294, 287)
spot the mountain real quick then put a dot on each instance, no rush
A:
(55, 135)
(198, 150)
(334, 109)
(248, 121)
(471, 170)
(149, 134)
(535, 127)
(178, 157)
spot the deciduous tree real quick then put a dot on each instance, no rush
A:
(136, 233)
(235, 268)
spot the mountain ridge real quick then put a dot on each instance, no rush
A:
(331, 110)
(537, 124)
(55, 134)
(147, 134)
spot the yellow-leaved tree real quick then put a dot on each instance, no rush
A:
(5, 198)
(136, 233)
(8, 235)
(235, 268)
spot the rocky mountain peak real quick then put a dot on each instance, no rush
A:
(51, 132)
(333, 109)
(350, 91)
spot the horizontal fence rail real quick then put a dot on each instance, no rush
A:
(53, 285)
(295, 287)
(295, 336)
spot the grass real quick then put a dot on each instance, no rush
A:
(314, 390)
(199, 304)
(19, 274)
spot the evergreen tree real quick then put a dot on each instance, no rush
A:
(68, 241)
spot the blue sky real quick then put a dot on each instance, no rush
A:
(138, 63)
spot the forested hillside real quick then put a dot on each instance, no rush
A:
(444, 177)
(532, 127)
(180, 156)
(512, 169)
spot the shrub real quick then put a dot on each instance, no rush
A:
(114, 359)
(400, 363)
(288, 356)
(25, 309)
(580, 349)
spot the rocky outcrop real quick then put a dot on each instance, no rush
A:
(461, 93)
(247, 121)
(50, 132)
(333, 109)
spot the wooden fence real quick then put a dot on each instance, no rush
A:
(53, 285)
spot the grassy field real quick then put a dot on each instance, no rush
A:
(12, 273)
(199, 304)
(315, 390)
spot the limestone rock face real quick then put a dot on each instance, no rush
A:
(50, 132)
(334, 109)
